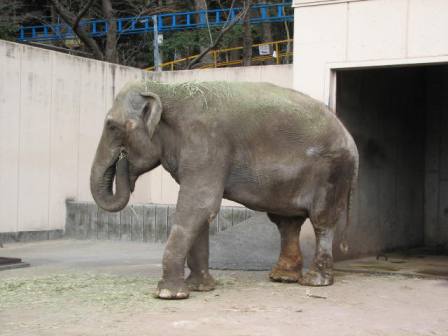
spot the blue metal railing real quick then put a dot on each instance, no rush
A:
(165, 22)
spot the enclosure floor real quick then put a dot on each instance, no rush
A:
(418, 262)
(104, 288)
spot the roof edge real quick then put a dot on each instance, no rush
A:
(307, 3)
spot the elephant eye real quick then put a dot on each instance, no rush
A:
(111, 125)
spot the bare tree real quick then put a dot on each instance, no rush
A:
(227, 26)
(11, 13)
(109, 54)
(288, 37)
(129, 50)
(247, 36)
(110, 50)
(266, 28)
(201, 5)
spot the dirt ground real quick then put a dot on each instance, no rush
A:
(105, 288)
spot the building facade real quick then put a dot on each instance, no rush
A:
(382, 66)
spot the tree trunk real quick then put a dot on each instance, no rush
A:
(110, 51)
(224, 30)
(288, 46)
(247, 38)
(200, 5)
(73, 21)
(266, 28)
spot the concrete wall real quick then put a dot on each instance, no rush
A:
(332, 34)
(52, 108)
(436, 159)
(398, 119)
(384, 111)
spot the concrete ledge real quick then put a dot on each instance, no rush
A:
(11, 263)
(307, 3)
(139, 222)
(24, 236)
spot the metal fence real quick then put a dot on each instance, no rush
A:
(165, 22)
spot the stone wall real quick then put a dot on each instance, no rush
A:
(138, 222)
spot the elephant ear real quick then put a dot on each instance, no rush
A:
(153, 111)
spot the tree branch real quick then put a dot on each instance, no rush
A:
(225, 29)
(70, 19)
(82, 13)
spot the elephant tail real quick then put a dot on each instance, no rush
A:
(343, 246)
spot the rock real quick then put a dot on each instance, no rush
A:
(254, 244)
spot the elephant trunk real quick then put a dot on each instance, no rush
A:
(101, 184)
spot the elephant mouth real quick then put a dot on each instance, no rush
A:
(102, 183)
(111, 171)
(123, 155)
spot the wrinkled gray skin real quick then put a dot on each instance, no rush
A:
(268, 148)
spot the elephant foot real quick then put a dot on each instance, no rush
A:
(200, 282)
(317, 278)
(283, 275)
(170, 290)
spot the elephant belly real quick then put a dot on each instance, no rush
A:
(288, 191)
(266, 204)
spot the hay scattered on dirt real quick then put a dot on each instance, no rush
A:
(108, 291)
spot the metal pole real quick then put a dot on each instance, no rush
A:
(156, 44)
(277, 52)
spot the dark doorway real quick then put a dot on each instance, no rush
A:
(399, 119)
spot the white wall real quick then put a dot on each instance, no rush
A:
(332, 34)
(52, 108)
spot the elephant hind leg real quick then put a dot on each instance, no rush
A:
(289, 263)
(330, 209)
(324, 223)
(321, 270)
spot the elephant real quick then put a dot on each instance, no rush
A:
(269, 148)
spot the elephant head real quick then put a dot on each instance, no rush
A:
(127, 147)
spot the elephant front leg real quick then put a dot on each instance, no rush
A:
(172, 285)
(195, 206)
(197, 260)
